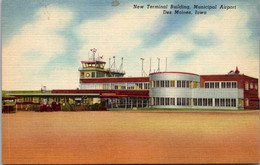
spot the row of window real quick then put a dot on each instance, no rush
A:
(174, 83)
(115, 86)
(251, 86)
(221, 84)
(218, 102)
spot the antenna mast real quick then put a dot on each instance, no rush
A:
(142, 67)
(158, 64)
(150, 65)
(166, 65)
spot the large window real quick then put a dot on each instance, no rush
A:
(157, 83)
(183, 101)
(233, 102)
(195, 102)
(223, 84)
(167, 101)
(234, 84)
(183, 84)
(217, 102)
(167, 83)
(173, 83)
(228, 84)
(179, 84)
(187, 84)
(157, 101)
(222, 102)
(178, 101)
(199, 102)
(188, 102)
(161, 101)
(216, 84)
(228, 102)
(206, 84)
(172, 101)
(162, 83)
(130, 86)
(210, 102)
(205, 102)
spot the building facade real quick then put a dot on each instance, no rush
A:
(109, 87)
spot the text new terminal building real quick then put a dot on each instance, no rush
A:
(110, 88)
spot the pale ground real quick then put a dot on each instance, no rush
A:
(130, 137)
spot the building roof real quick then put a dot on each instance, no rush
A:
(176, 72)
(114, 79)
(93, 62)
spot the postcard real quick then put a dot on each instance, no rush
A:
(130, 82)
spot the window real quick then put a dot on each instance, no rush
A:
(241, 102)
(178, 101)
(93, 74)
(195, 102)
(183, 101)
(183, 84)
(130, 85)
(209, 102)
(222, 102)
(234, 84)
(178, 84)
(172, 101)
(199, 102)
(162, 101)
(246, 85)
(167, 101)
(173, 83)
(228, 102)
(123, 86)
(157, 101)
(211, 85)
(247, 102)
(167, 83)
(187, 84)
(188, 102)
(140, 85)
(255, 86)
(195, 84)
(146, 85)
(162, 83)
(205, 102)
(157, 84)
(152, 84)
(233, 102)
(228, 84)
(223, 84)
(216, 84)
(251, 85)
(216, 102)
(206, 85)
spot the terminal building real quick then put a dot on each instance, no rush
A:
(109, 87)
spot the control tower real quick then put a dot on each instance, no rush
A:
(94, 67)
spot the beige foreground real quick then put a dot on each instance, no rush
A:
(130, 137)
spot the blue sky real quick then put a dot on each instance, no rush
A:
(43, 41)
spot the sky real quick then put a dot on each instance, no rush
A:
(43, 41)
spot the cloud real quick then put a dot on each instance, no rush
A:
(117, 33)
(233, 46)
(37, 43)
